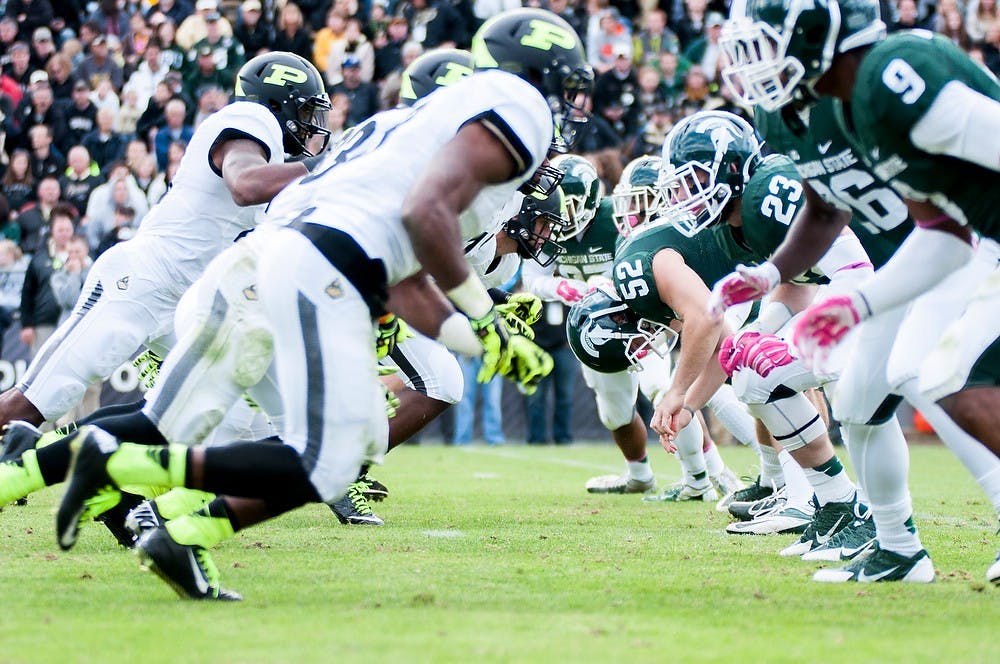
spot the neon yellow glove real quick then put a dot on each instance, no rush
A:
(520, 312)
(391, 331)
(528, 363)
(148, 364)
(493, 335)
(392, 402)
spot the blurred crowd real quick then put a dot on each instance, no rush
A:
(98, 100)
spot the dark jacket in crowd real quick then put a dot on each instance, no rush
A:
(38, 302)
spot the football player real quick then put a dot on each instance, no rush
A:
(462, 152)
(807, 110)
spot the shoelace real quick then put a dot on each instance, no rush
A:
(357, 495)
(208, 567)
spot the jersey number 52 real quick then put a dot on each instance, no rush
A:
(631, 284)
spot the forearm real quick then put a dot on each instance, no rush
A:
(259, 184)
(705, 387)
(699, 340)
(419, 302)
(437, 243)
(808, 239)
(920, 263)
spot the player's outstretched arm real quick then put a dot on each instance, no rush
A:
(810, 236)
(251, 180)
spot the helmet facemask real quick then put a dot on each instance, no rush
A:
(310, 120)
(534, 230)
(543, 182)
(636, 338)
(634, 206)
(649, 337)
(759, 71)
(694, 197)
(568, 102)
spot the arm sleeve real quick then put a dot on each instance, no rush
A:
(961, 123)
(540, 281)
(845, 263)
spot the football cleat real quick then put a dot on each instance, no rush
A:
(993, 573)
(726, 484)
(881, 565)
(374, 491)
(90, 491)
(19, 478)
(115, 519)
(143, 518)
(188, 569)
(745, 511)
(682, 492)
(747, 494)
(18, 437)
(783, 519)
(851, 542)
(828, 520)
(353, 507)
(620, 484)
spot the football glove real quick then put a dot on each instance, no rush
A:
(824, 325)
(391, 331)
(392, 402)
(528, 363)
(520, 312)
(148, 364)
(746, 284)
(493, 337)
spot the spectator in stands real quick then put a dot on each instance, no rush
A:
(691, 25)
(550, 334)
(18, 71)
(252, 31)
(175, 11)
(104, 144)
(153, 116)
(226, 50)
(650, 91)
(129, 114)
(698, 93)
(18, 184)
(120, 189)
(171, 53)
(194, 28)
(205, 74)
(615, 93)
(100, 62)
(38, 108)
(42, 47)
(123, 229)
(80, 113)
(655, 38)
(30, 14)
(672, 69)
(110, 18)
(46, 159)
(39, 309)
(60, 71)
(150, 180)
(704, 50)
(597, 135)
(35, 220)
(103, 95)
(358, 45)
(136, 41)
(606, 43)
(435, 23)
(8, 33)
(389, 47)
(211, 100)
(954, 29)
(652, 134)
(9, 230)
(990, 49)
(363, 96)
(979, 16)
(175, 129)
(13, 265)
(291, 33)
(149, 71)
(67, 281)
(135, 152)
(329, 46)
(82, 176)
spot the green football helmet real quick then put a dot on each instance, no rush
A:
(432, 70)
(544, 50)
(636, 198)
(536, 226)
(608, 337)
(583, 191)
(708, 158)
(778, 47)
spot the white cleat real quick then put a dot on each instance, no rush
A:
(620, 484)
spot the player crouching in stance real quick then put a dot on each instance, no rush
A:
(469, 146)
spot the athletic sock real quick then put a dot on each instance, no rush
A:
(798, 491)
(640, 470)
(895, 528)
(159, 465)
(53, 461)
(713, 461)
(690, 454)
(830, 482)
(206, 527)
(771, 473)
(180, 501)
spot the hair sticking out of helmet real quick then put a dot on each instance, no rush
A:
(293, 90)
(608, 337)
(544, 50)
(432, 70)
(707, 160)
(583, 190)
(536, 225)
(777, 49)
(637, 199)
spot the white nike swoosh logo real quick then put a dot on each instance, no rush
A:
(823, 539)
(823, 147)
(865, 578)
(198, 574)
(594, 250)
(848, 553)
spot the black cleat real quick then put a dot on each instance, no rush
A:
(353, 508)
(18, 437)
(188, 569)
(90, 491)
(115, 519)
(375, 491)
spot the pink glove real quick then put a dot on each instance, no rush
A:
(823, 325)
(766, 354)
(746, 284)
(570, 291)
(732, 353)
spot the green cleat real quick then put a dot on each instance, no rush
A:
(682, 492)
(828, 520)
(90, 491)
(748, 494)
(881, 565)
(851, 542)
(19, 478)
(188, 569)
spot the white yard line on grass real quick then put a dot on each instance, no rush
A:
(514, 454)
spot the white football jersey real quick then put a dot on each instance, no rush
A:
(361, 185)
(197, 218)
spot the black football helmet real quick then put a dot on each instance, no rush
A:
(608, 337)
(544, 50)
(432, 70)
(537, 242)
(293, 90)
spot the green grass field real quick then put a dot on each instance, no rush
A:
(498, 554)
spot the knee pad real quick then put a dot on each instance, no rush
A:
(429, 368)
(794, 422)
(253, 351)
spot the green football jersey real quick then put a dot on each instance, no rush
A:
(633, 268)
(830, 162)
(592, 252)
(897, 83)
